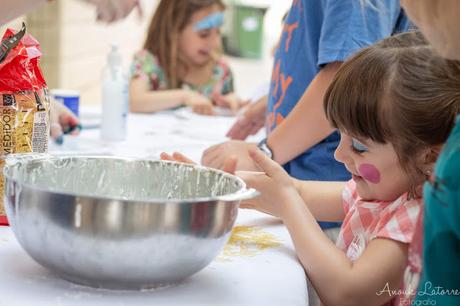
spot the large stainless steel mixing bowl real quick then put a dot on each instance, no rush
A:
(120, 223)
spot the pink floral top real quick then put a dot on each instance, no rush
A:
(398, 220)
(146, 65)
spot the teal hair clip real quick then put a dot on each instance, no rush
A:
(215, 20)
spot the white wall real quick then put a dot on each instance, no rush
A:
(74, 46)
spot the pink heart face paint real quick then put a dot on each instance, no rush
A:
(369, 173)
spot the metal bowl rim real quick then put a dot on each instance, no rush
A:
(152, 201)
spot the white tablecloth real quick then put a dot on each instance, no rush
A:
(260, 269)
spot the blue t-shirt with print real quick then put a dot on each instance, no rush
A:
(315, 33)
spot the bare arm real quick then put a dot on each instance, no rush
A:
(143, 100)
(11, 9)
(338, 280)
(324, 199)
(107, 10)
(306, 125)
(252, 120)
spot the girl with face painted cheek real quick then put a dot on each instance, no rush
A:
(180, 64)
(394, 104)
(374, 167)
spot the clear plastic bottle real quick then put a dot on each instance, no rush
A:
(114, 98)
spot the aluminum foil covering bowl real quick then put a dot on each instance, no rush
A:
(120, 223)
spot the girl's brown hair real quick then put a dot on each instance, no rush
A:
(170, 18)
(397, 91)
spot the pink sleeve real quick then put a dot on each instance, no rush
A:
(400, 224)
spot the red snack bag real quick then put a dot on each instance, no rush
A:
(24, 101)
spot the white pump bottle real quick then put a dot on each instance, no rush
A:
(114, 98)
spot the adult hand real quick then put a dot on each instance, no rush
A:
(61, 119)
(274, 183)
(216, 156)
(113, 10)
(200, 104)
(252, 120)
(229, 165)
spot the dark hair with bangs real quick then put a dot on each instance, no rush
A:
(397, 91)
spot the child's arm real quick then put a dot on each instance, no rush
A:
(324, 199)
(337, 280)
(304, 127)
(251, 121)
(306, 124)
(144, 100)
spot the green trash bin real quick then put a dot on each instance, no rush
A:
(245, 38)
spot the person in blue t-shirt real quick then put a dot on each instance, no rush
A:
(318, 35)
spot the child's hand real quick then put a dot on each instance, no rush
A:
(216, 155)
(176, 156)
(61, 119)
(229, 165)
(275, 185)
(199, 103)
(230, 101)
(252, 120)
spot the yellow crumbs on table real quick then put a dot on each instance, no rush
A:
(248, 241)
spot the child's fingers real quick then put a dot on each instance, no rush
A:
(166, 156)
(217, 163)
(56, 131)
(230, 101)
(251, 178)
(267, 165)
(234, 106)
(255, 128)
(244, 103)
(219, 100)
(207, 159)
(230, 165)
(176, 156)
(182, 158)
(240, 129)
(203, 109)
(212, 156)
(210, 111)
